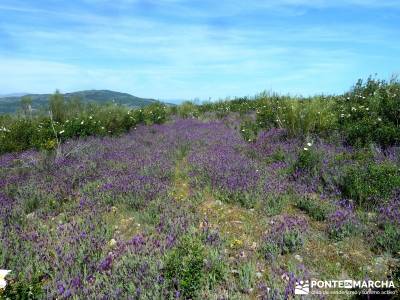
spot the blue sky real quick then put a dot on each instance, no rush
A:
(183, 49)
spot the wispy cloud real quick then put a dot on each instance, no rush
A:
(180, 48)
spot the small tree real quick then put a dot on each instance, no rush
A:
(75, 105)
(57, 106)
(26, 105)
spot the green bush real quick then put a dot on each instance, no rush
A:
(268, 113)
(370, 112)
(185, 266)
(240, 105)
(270, 249)
(17, 135)
(315, 208)
(23, 290)
(389, 238)
(300, 117)
(278, 155)
(155, 113)
(249, 130)
(274, 204)
(291, 241)
(58, 107)
(370, 184)
(309, 160)
(188, 110)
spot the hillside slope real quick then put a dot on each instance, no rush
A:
(11, 104)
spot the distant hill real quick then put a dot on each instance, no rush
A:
(10, 104)
(13, 95)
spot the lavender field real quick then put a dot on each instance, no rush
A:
(189, 209)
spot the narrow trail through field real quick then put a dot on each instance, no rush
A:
(181, 184)
(238, 225)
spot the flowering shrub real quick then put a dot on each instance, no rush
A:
(389, 222)
(370, 112)
(249, 130)
(343, 222)
(155, 113)
(390, 212)
(309, 160)
(23, 289)
(21, 133)
(286, 235)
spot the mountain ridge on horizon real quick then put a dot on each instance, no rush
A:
(10, 104)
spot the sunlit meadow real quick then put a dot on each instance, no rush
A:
(232, 200)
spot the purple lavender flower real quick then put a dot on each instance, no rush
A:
(285, 235)
(390, 212)
(106, 263)
(343, 222)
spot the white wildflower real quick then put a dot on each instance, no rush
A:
(3, 274)
(309, 144)
(82, 122)
(379, 119)
(112, 243)
(62, 131)
(305, 149)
